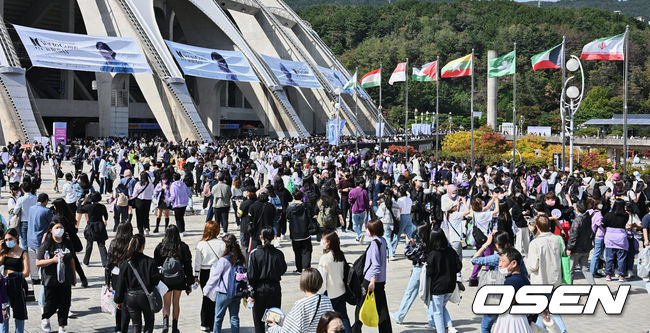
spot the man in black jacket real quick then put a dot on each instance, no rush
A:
(419, 211)
(262, 215)
(579, 243)
(298, 217)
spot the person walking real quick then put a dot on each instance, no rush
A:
(579, 244)
(220, 281)
(328, 214)
(179, 197)
(388, 212)
(40, 218)
(598, 230)
(442, 266)
(117, 254)
(374, 280)
(95, 228)
(16, 267)
(616, 245)
(221, 195)
(63, 212)
(266, 265)
(358, 199)
(143, 194)
(129, 293)
(22, 208)
(161, 193)
(175, 258)
(208, 251)
(299, 217)
(331, 266)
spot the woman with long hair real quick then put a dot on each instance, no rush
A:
(129, 292)
(331, 266)
(143, 194)
(65, 214)
(161, 193)
(95, 228)
(208, 251)
(175, 258)
(117, 252)
(388, 213)
(442, 265)
(86, 188)
(219, 282)
(616, 243)
(16, 267)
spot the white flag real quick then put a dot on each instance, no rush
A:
(399, 74)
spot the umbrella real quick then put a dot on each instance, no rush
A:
(27, 146)
(301, 146)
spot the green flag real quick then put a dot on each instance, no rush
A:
(504, 65)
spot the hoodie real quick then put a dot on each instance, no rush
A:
(298, 217)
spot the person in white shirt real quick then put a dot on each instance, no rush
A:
(406, 225)
(331, 267)
(208, 251)
(455, 229)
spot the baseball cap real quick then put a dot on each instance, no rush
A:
(637, 174)
(601, 170)
(418, 179)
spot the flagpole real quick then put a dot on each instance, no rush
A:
(338, 120)
(471, 114)
(627, 52)
(406, 115)
(381, 111)
(437, 95)
(563, 133)
(356, 113)
(514, 113)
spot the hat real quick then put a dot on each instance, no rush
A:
(616, 176)
(418, 179)
(601, 170)
(637, 174)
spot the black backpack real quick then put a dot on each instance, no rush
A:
(354, 276)
(172, 272)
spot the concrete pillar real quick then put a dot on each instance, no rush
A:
(113, 103)
(492, 96)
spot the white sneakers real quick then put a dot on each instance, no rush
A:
(45, 325)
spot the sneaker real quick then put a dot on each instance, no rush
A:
(630, 274)
(61, 329)
(452, 329)
(276, 243)
(146, 232)
(608, 278)
(621, 278)
(646, 279)
(183, 234)
(204, 329)
(393, 258)
(394, 316)
(473, 283)
(71, 314)
(45, 325)
(361, 239)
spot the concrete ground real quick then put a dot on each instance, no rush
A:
(86, 302)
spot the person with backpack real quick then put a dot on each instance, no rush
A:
(373, 276)
(579, 244)
(359, 202)
(481, 228)
(266, 265)
(137, 272)
(332, 266)
(228, 283)
(208, 251)
(328, 214)
(175, 259)
(117, 252)
(121, 206)
(388, 213)
(262, 214)
(299, 217)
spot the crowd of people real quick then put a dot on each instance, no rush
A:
(258, 192)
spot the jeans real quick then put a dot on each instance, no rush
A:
(357, 221)
(410, 294)
(20, 326)
(406, 227)
(599, 246)
(615, 254)
(221, 217)
(487, 322)
(388, 236)
(580, 259)
(441, 318)
(339, 305)
(23, 234)
(120, 214)
(224, 303)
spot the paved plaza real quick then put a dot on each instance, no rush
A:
(88, 318)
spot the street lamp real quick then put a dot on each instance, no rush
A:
(569, 110)
(449, 122)
(521, 126)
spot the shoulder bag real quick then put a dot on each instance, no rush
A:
(154, 298)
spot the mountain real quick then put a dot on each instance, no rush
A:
(632, 8)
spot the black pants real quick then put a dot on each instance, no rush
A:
(138, 306)
(78, 268)
(120, 213)
(382, 308)
(122, 316)
(346, 210)
(108, 185)
(282, 223)
(263, 302)
(102, 251)
(207, 305)
(221, 217)
(142, 214)
(57, 299)
(73, 206)
(179, 217)
(302, 250)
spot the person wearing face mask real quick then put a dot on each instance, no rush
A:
(331, 266)
(450, 199)
(16, 267)
(208, 251)
(219, 284)
(299, 216)
(58, 272)
(579, 244)
(553, 204)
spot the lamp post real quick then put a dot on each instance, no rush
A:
(449, 122)
(574, 94)
(521, 126)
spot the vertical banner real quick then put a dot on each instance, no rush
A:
(379, 129)
(60, 130)
(334, 130)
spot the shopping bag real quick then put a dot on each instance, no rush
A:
(108, 301)
(566, 264)
(368, 314)
(424, 292)
(455, 296)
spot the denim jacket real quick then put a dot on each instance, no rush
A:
(493, 261)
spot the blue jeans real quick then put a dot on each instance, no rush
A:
(599, 246)
(339, 305)
(615, 254)
(208, 216)
(223, 303)
(357, 222)
(487, 322)
(388, 236)
(438, 308)
(23, 235)
(410, 294)
(405, 227)
(20, 325)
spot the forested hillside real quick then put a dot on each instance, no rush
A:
(367, 36)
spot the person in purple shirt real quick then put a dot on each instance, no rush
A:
(179, 196)
(358, 199)
(374, 280)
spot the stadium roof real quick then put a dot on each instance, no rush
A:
(617, 119)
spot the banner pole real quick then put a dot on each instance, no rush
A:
(406, 115)
(514, 114)
(563, 133)
(627, 52)
(437, 96)
(471, 114)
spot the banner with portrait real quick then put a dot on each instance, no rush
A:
(62, 50)
(336, 79)
(292, 73)
(212, 64)
(334, 130)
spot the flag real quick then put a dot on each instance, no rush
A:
(399, 74)
(352, 83)
(607, 48)
(333, 131)
(428, 72)
(504, 65)
(372, 79)
(548, 59)
(459, 67)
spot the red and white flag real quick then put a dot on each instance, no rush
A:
(399, 74)
(607, 48)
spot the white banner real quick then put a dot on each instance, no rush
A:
(336, 79)
(539, 130)
(77, 52)
(212, 64)
(292, 73)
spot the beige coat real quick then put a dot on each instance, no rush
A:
(544, 263)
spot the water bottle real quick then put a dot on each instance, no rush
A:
(47, 255)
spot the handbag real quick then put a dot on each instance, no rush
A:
(368, 314)
(14, 220)
(566, 264)
(424, 290)
(108, 300)
(154, 298)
